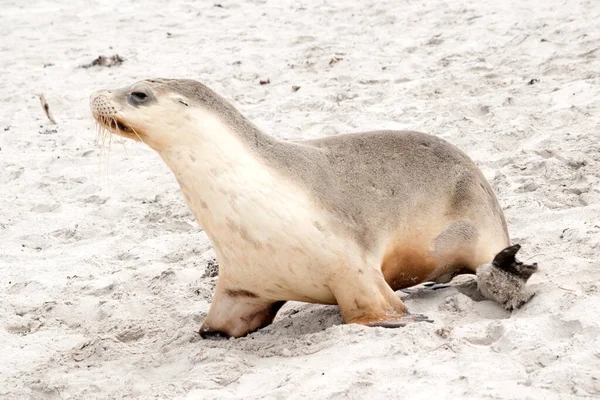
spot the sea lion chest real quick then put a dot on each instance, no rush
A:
(270, 236)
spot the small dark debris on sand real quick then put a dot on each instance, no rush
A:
(212, 269)
(532, 81)
(295, 88)
(46, 109)
(264, 81)
(334, 61)
(103, 61)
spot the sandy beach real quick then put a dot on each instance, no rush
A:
(105, 276)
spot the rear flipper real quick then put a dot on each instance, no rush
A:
(429, 286)
(399, 322)
(504, 279)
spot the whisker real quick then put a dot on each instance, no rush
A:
(134, 131)
(124, 148)
(113, 120)
(104, 137)
(535, 255)
(136, 134)
(99, 142)
(103, 171)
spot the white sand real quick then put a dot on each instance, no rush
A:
(101, 288)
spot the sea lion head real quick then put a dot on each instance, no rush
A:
(159, 112)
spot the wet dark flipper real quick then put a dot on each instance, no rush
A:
(399, 322)
(427, 286)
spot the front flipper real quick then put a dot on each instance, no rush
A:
(504, 279)
(235, 312)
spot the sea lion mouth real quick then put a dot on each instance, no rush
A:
(107, 125)
(115, 124)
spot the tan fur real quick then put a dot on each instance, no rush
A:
(407, 264)
(340, 220)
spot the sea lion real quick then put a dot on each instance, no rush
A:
(346, 220)
(503, 280)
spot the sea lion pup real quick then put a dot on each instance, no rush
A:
(344, 220)
(503, 280)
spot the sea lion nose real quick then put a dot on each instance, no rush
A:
(99, 93)
(101, 104)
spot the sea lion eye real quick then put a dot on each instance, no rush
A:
(139, 96)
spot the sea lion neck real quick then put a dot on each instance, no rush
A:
(199, 95)
(249, 134)
(223, 175)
